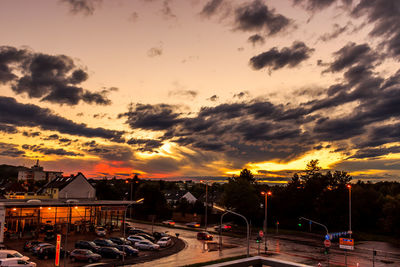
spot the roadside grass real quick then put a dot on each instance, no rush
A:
(216, 261)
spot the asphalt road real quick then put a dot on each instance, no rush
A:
(306, 249)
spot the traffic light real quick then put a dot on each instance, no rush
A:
(258, 240)
(326, 252)
(299, 224)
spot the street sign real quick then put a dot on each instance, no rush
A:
(58, 246)
(327, 243)
(261, 233)
(346, 243)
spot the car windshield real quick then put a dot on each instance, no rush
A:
(100, 229)
(17, 255)
(164, 239)
(89, 252)
(114, 249)
(91, 243)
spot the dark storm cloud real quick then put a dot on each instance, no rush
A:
(148, 145)
(151, 117)
(384, 14)
(375, 152)
(160, 165)
(10, 129)
(50, 151)
(256, 39)
(211, 7)
(10, 150)
(256, 16)
(18, 114)
(50, 78)
(110, 152)
(85, 7)
(287, 56)
(352, 54)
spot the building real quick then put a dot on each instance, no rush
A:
(36, 173)
(74, 186)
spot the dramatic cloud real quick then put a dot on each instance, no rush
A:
(314, 5)
(148, 145)
(50, 151)
(256, 16)
(10, 129)
(50, 78)
(287, 56)
(10, 150)
(18, 114)
(85, 7)
(118, 153)
(337, 30)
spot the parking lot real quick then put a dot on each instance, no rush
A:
(144, 255)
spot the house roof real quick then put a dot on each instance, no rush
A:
(61, 182)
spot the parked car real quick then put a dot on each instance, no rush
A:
(7, 253)
(104, 242)
(84, 255)
(169, 222)
(164, 241)
(148, 237)
(87, 245)
(136, 238)
(100, 231)
(30, 244)
(158, 235)
(146, 245)
(111, 252)
(37, 247)
(204, 236)
(193, 224)
(135, 231)
(129, 250)
(15, 262)
(49, 252)
(120, 241)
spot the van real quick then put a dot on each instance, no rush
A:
(16, 262)
(8, 253)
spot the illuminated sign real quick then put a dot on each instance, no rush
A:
(346, 243)
(58, 246)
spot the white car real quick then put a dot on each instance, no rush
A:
(7, 253)
(146, 245)
(136, 238)
(15, 262)
(100, 231)
(164, 241)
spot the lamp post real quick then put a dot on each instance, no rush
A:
(205, 216)
(248, 230)
(349, 187)
(123, 248)
(266, 194)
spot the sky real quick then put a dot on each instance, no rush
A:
(193, 88)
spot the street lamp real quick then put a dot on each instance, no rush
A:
(126, 209)
(266, 194)
(349, 187)
(205, 216)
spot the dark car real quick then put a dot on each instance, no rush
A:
(49, 252)
(148, 237)
(30, 244)
(158, 235)
(35, 249)
(204, 236)
(129, 250)
(104, 243)
(120, 241)
(87, 245)
(111, 252)
(84, 255)
(135, 231)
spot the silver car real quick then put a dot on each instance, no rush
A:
(146, 245)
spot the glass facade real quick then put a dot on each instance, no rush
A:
(22, 221)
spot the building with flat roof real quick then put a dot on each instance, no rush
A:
(37, 173)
